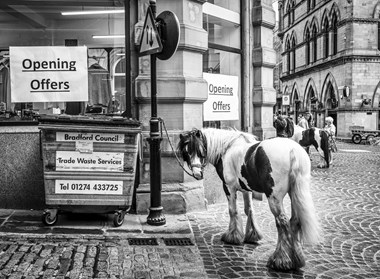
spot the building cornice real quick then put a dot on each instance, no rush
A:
(323, 65)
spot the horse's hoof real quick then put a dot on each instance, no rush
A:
(283, 265)
(282, 261)
(233, 238)
(253, 237)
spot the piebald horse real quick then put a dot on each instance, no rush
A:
(316, 137)
(275, 167)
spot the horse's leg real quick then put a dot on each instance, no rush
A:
(252, 232)
(331, 157)
(322, 161)
(285, 257)
(234, 234)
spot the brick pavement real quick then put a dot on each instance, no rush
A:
(33, 257)
(347, 200)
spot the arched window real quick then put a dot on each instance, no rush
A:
(314, 43)
(288, 67)
(307, 47)
(294, 53)
(291, 13)
(311, 101)
(326, 38)
(310, 4)
(378, 34)
(334, 29)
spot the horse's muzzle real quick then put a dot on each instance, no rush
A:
(197, 170)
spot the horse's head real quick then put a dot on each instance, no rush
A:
(192, 148)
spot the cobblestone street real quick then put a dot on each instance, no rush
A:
(347, 198)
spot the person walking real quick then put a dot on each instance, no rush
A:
(331, 130)
(303, 122)
(310, 120)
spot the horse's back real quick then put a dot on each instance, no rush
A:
(282, 150)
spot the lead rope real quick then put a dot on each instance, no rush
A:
(175, 153)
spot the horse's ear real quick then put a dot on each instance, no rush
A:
(198, 133)
(181, 136)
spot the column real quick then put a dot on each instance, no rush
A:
(181, 91)
(263, 62)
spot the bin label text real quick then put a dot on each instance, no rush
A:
(93, 137)
(96, 161)
(94, 187)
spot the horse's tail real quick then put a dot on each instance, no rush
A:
(304, 218)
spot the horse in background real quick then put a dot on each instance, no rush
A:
(316, 137)
(319, 138)
(275, 167)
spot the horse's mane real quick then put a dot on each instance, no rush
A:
(219, 140)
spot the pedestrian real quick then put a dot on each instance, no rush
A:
(310, 119)
(303, 122)
(280, 124)
(331, 130)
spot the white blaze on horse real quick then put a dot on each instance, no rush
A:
(275, 167)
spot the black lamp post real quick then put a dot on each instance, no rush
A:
(155, 216)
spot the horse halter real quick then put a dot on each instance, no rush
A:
(196, 141)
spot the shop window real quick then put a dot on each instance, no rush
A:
(119, 93)
(48, 24)
(221, 19)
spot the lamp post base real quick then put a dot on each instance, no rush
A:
(155, 217)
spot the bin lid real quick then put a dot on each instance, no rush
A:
(89, 119)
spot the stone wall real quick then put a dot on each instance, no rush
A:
(21, 173)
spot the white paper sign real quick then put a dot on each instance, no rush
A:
(286, 100)
(49, 74)
(223, 99)
(96, 161)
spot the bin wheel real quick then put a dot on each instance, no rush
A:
(118, 218)
(370, 138)
(48, 219)
(356, 138)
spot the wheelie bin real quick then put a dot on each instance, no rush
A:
(89, 164)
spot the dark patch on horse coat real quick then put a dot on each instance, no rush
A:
(325, 146)
(308, 138)
(219, 171)
(257, 170)
(243, 186)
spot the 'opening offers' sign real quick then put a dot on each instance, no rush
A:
(222, 102)
(48, 74)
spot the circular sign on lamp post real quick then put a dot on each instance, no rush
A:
(169, 33)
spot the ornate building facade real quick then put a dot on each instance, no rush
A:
(331, 61)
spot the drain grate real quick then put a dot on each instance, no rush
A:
(142, 241)
(178, 241)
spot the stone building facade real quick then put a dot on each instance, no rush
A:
(331, 61)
